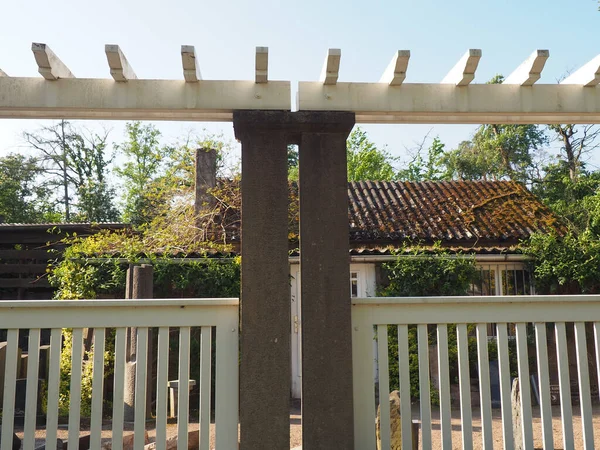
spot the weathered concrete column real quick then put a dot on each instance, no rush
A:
(327, 404)
(265, 303)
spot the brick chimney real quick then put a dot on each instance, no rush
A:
(206, 178)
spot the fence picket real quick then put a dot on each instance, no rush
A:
(141, 374)
(444, 377)
(227, 385)
(384, 386)
(464, 379)
(162, 373)
(544, 384)
(505, 389)
(75, 388)
(118, 393)
(484, 386)
(97, 389)
(425, 393)
(585, 398)
(10, 380)
(523, 363)
(562, 354)
(183, 399)
(597, 341)
(33, 368)
(53, 387)
(205, 387)
(404, 384)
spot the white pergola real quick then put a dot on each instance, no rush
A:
(390, 100)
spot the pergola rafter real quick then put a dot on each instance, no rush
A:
(391, 100)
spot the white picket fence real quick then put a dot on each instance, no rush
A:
(102, 315)
(432, 318)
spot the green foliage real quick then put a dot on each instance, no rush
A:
(366, 161)
(421, 169)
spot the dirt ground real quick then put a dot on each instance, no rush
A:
(296, 429)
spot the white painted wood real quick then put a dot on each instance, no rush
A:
(464, 71)
(120, 69)
(49, 65)
(191, 70)
(505, 387)
(3, 73)
(541, 342)
(484, 386)
(444, 377)
(183, 399)
(464, 380)
(523, 364)
(33, 368)
(585, 398)
(395, 73)
(530, 70)
(97, 389)
(424, 390)
(588, 75)
(53, 386)
(362, 380)
(162, 373)
(10, 379)
(75, 388)
(562, 354)
(404, 384)
(597, 341)
(227, 382)
(331, 67)
(141, 379)
(118, 392)
(384, 385)
(448, 103)
(261, 65)
(205, 385)
(115, 313)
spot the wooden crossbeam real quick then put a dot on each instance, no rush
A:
(119, 66)
(530, 70)
(331, 67)
(588, 75)
(3, 73)
(49, 65)
(395, 73)
(464, 71)
(262, 65)
(191, 70)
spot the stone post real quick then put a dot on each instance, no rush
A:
(139, 285)
(206, 178)
(265, 372)
(327, 402)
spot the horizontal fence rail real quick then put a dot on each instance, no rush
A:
(106, 367)
(471, 372)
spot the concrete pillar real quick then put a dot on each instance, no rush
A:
(139, 285)
(327, 401)
(265, 374)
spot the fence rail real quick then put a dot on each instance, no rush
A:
(210, 317)
(541, 326)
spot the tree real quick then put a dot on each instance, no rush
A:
(22, 198)
(430, 169)
(76, 161)
(144, 164)
(575, 142)
(366, 161)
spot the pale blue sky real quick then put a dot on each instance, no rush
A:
(298, 35)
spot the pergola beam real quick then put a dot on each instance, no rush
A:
(191, 71)
(588, 75)
(119, 66)
(530, 70)
(331, 67)
(49, 65)
(464, 71)
(206, 100)
(3, 73)
(445, 103)
(261, 65)
(395, 74)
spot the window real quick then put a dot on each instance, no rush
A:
(353, 284)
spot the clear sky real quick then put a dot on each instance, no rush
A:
(298, 34)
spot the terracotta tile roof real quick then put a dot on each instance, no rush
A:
(453, 212)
